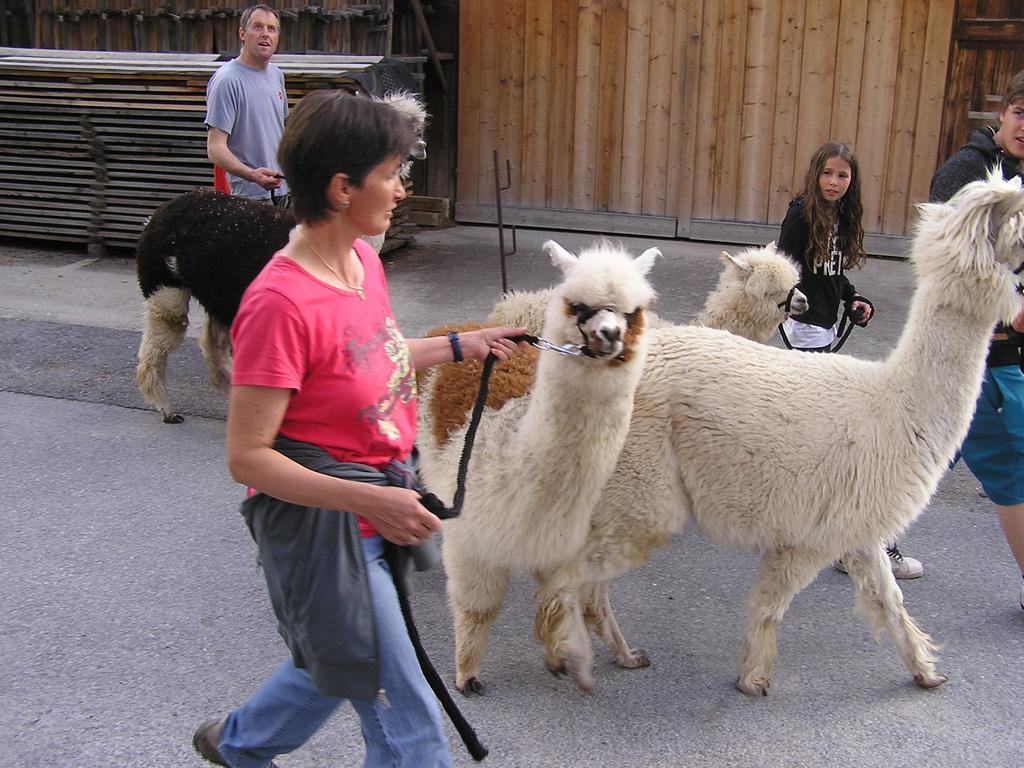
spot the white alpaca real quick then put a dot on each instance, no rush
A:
(804, 458)
(756, 291)
(567, 435)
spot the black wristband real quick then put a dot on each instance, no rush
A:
(453, 339)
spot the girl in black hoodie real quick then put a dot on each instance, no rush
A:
(822, 231)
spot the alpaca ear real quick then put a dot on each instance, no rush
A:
(772, 247)
(727, 258)
(645, 260)
(560, 257)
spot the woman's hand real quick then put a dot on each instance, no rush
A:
(479, 344)
(397, 515)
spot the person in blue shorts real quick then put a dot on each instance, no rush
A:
(994, 447)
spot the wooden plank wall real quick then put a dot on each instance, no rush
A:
(699, 110)
(209, 26)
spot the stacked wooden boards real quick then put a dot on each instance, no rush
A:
(92, 142)
(202, 26)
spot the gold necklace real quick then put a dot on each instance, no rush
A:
(357, 288)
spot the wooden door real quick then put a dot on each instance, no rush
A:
(987, 50)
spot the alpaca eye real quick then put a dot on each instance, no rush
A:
(631, 316)
(577, 309)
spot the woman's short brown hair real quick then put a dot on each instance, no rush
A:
(331, 132)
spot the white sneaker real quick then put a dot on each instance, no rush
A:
(904, 567)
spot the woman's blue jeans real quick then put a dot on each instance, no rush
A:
(401, 728)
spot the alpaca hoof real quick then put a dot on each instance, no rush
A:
(558, 670)
(929, 682)
(470, 686)
(637, 659)
(754, 686)
(173, 418)
(585, 682)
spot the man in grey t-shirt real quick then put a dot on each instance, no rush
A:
(246, 105)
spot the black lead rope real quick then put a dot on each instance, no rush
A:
(473, 745)
(474, 422)
(785, 338)
(843, 332)
(476, 749)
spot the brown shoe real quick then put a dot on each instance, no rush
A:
(206, 741)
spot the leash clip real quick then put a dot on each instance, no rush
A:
(572, 350)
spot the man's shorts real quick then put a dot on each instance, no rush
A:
(994, 446)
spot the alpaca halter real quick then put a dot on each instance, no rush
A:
(583, 313)
(787, 305)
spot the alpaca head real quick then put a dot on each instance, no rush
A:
(767, 280)
(973, 243)
(410, 107)
(600, 303)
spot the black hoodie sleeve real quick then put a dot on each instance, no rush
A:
(969, 163)
(960, 170)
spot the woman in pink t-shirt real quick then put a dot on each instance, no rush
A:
(319, 359)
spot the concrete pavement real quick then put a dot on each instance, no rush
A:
(134, 607)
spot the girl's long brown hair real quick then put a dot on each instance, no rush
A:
(848, 209)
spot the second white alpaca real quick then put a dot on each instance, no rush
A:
(804, 458)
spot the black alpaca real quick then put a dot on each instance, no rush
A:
(210, 246)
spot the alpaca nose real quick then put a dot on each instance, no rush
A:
(799, 305)
(610, 335)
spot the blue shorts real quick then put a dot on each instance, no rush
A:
(994, 447)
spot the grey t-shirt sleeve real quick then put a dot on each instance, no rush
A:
(222, 96)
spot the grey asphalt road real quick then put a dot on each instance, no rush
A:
(133, 606)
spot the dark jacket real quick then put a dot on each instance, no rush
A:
(313, 562)
(970, 163)
(825, 286)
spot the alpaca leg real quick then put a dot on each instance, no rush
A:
(164, 326)
(476, 595)
(597, 612)
(215, 344)
(560, 627)
(781, 574)
(877, 597)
